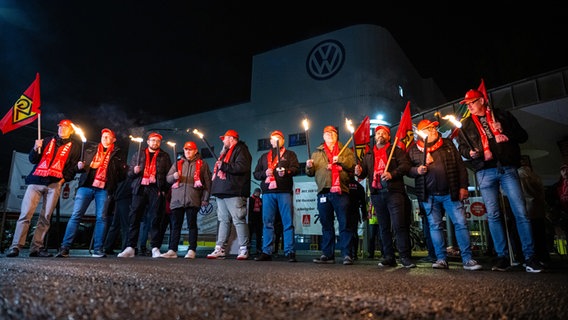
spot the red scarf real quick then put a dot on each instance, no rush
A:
(499, 137)
(272, 163)
(50, 166)
(197, 174)
(335, 168)
(226, 157)
(379, 165)
(150, 168)
(430, 149)
(257, 204)
(101, 160)
(563, 193)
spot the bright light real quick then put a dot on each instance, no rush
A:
(195, 131)
(349, 125)
(79, 132)
(171, 143)
(306, 124)
(453, 120)
(136, 139)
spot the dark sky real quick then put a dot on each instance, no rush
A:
(126, 63)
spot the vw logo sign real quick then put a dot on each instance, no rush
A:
(205, 210)
(325, 59)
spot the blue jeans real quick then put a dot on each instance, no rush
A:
(272, 203)
(328, 204)
(456, 213)
(83, 198)
(507, 178)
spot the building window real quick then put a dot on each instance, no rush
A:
(297, 139)
(264, 144)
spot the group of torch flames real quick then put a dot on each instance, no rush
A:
(305, 123)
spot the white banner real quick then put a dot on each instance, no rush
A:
(19, 169)
(306, 215)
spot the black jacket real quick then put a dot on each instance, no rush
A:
(398, 168)
(455, 170)
(163, 164)
(505, 153)
(69, 168)
(288, 161)
(238, 173)
(116, 170)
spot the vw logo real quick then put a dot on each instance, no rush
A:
(325, 59)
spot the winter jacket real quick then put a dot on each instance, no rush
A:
(398, 168)
(505, 153)
(238, 174)
(185, 194)
(69, 168)
(163, 164)
(455, 170)
(323, 176)
(288, 161)
(116, 170)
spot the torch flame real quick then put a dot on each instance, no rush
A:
(195, 131)
(421, 134)
(171, 143)
(136, 139)
(349, 125)
(306, 124)
(453, 120)
(79, 132)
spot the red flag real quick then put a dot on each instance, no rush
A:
(24, 111)
(404, 133)
(362, 136)
(482, 89)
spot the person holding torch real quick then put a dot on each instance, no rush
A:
(441, 183)
(331, 169)
(495, 156)
(103, 168)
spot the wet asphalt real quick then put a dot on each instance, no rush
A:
(82, 287)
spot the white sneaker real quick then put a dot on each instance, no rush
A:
(155, 253)
(190, 254)
(243, 253)
(218, 253)
(171, 254)
(127, 253)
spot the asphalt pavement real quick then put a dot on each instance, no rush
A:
(82, 287)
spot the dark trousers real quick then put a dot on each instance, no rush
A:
(148, 199)
(176, 223)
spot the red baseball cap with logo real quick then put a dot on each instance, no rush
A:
(330, 129)
(423, 124)
(155, 135)
(471, 95)
(65, 123)
(277, 133)
(109, 131)
(230, 133)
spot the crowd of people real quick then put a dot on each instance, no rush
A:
(132, 198)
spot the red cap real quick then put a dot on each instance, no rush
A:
(230, 133)
(109, 131)
(65, 123)
(387, 129)
(277, 133)
(330, 129)
(154, 135)
(190, 145)
(471, 95)
(426, 123)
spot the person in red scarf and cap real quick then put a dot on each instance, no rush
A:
(441, 182)
(190, 178)
(331, 171)
(102, 169)
(275, 170)
(388, 196)
(231, 187)
(148, 169)
(55, 160)
(490, 143)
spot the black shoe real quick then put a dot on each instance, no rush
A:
(14, 252)
(63, 253)
(502, 264)
(41, 254)
(533, 266)
(324, 260)
(347, 261)
(388, 262)
(263, 257)
(292, 257)
(407, 263)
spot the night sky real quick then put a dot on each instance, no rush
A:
(128, 63)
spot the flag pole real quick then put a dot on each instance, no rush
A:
(390, 155)
(39, 130)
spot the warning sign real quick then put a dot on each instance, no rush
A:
(306, 220)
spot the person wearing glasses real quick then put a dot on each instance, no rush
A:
(441, 183)
(490, 143)
(148, 169)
